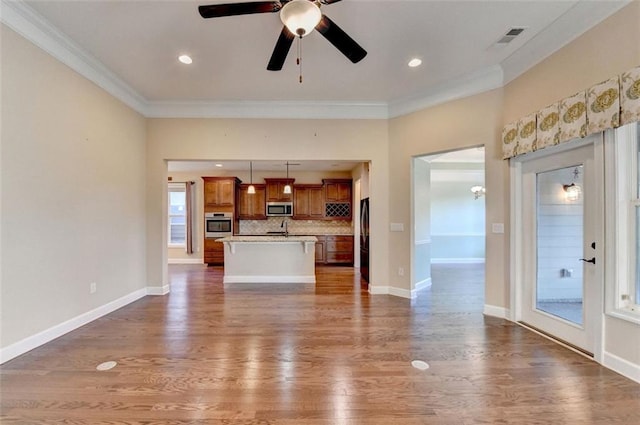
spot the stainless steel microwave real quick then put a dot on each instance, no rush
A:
(279, 209)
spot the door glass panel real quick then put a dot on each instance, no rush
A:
(560, 213)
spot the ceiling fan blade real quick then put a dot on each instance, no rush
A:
(329, 1)
(281, 50)
(231, 9)
(340, 40)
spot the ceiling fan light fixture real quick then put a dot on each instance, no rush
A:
(415, 62)
(300, 16)
(185, 59)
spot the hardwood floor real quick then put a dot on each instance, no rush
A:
(310, 355)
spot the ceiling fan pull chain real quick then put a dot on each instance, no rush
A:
(299, 60)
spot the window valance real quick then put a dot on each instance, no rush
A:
(608, 104)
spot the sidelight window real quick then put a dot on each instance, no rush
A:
(623, 201)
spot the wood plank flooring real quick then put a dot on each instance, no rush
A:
(310, 355)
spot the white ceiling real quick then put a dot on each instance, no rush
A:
(130, 48)
(137, 42)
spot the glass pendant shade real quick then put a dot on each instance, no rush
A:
(300, 16)
(287, 189)
(251, 190)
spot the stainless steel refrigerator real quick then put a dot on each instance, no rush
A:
(364, 239)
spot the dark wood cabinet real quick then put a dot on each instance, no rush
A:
(275, 190)
(337, 190)
(320, 250)
(339, 249)
(334, 249)
(337, 199)
(213, 252)
(252, 206)
(219, 192)
(308, 202)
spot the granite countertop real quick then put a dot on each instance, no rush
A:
(269, 238)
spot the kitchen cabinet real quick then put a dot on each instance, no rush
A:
(320, 243)
(275, 190)
(252, 206)
(339, 249)
(220, 192)
(334, 249)
(213, 252)
(337, 190)
(337, 199)
(308, 202)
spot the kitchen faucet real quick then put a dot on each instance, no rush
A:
(285, 225)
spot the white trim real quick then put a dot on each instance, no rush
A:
(185, 261)
(268, 109)
(495, 311)
(468, 85)
(419, 286)
(27, 22)
(399, 292)
(458, 234)
(390, 290)
(423, 242)
(27, 344)
(621, 366)
(471, 260)
(269, 279)
(158, 290)
(20, 17)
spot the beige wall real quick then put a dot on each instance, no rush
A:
(73, 180)
(250, 139)
(603, 52)
(465, 123)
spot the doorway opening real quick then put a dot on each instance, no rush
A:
(449, 218)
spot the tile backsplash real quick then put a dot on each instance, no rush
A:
(300, 227)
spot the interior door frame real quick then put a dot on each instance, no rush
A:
(516, 235)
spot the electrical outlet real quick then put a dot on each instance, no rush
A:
(93, 287)
(400, 271)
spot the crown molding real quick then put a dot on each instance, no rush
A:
(536, 50)
(25, 21)
(18, 16)
(269, 109)
(467, 85)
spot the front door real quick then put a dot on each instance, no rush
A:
(561, 292)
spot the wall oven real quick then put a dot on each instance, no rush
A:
(279, 209)
(218, 224)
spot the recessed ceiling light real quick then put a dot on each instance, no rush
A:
(185, 59)
(218, 165)
(415, 62)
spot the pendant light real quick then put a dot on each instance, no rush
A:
(287, 187)
(251, 190)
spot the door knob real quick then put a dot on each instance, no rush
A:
(592, 261)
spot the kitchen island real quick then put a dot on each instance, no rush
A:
(269, 259)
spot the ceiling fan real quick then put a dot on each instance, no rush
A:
(299, 17)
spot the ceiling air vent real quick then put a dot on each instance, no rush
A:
(510, 35)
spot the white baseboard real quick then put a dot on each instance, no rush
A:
(389, 290)
(457, 260)
(34, 341)
(495, 311)
(158, 290)
(426, 283)
(185, 261)
(622, 366)
(269, 279)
